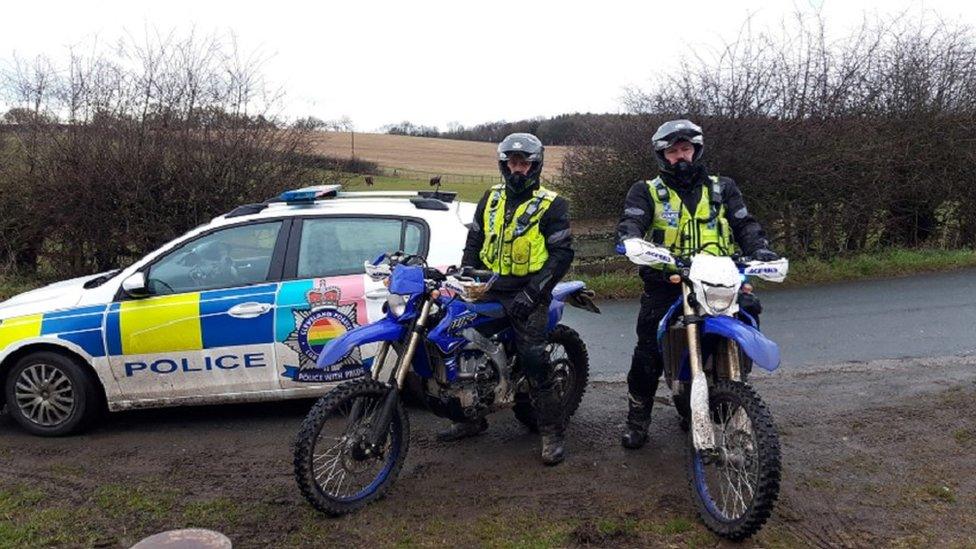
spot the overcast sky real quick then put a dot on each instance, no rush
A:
(434, 62)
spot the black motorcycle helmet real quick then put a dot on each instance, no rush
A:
(670, 133)
(530, 147)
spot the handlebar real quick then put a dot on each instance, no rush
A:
(382, 267)
(647, 253)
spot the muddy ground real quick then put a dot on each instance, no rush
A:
(879, 453)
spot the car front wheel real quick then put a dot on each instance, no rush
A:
(50, 394)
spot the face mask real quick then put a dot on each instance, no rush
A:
(517, 182)
(683, 169)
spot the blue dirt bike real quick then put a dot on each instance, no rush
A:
(438, 341)
(708, 349)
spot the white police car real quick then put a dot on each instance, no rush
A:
(233, 311)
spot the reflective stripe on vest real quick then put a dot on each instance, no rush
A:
(684, 233)
(515, 246)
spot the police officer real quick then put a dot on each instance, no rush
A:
(683, 209)
(521, 232)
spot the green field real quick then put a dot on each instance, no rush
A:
(468, 192)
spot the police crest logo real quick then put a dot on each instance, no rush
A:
(315, 327)
(669, 214)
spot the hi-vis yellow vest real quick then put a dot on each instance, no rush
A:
(515, 246)
(683, 232)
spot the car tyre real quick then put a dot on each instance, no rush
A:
(51, 394)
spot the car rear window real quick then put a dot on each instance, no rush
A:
(339, 246)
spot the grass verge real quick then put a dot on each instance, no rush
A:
(624, 283)
(121, 514)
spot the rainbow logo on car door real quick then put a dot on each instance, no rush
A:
(322, 319)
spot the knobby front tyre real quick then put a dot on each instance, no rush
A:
(332, 470)
(736, 488)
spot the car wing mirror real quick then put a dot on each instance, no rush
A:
(135, 285)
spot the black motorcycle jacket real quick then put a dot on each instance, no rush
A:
(639, 213)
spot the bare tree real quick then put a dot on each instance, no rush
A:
(113, 151)
(839, 146)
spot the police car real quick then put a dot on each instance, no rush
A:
(235, 310)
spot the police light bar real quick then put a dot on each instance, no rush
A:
(310, 194)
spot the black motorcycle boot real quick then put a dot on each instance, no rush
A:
(642, 382)
(463, 429)
(553, 451)
(549, 412)
(638, 419)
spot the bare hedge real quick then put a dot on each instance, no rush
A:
(838, 147)
(106, 156)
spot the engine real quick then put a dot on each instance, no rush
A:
(482, 384)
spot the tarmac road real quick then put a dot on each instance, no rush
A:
(920, 316)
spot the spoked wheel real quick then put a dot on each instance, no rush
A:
(736, 486)
(336, 468)
(570, 371)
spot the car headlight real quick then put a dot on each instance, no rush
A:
(397, 304)
(716, 299)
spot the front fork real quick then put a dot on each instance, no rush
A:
(702, 432)
(377, 435)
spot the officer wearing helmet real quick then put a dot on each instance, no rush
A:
(521, 232)
(683, 209)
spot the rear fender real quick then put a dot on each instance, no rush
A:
(763, 351)
(576, 294)
(385, 329)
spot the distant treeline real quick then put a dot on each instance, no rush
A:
(564, 129)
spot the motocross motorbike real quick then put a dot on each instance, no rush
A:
(708, 348)
(457, 349)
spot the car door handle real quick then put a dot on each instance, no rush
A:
(378, 294)
(249, 310)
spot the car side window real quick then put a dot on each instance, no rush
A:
(340, 245)
(235, 256)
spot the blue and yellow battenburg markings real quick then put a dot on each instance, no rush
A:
(188, 322)
(183, 322)
(81, 326)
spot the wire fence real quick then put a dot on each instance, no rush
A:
(421, 175)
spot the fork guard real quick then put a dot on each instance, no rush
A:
(763, 351)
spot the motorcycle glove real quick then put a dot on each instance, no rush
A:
(522, 306)
(765, 254)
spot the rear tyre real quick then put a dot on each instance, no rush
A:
(570, 362)
(333, 470)
(50, 394)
